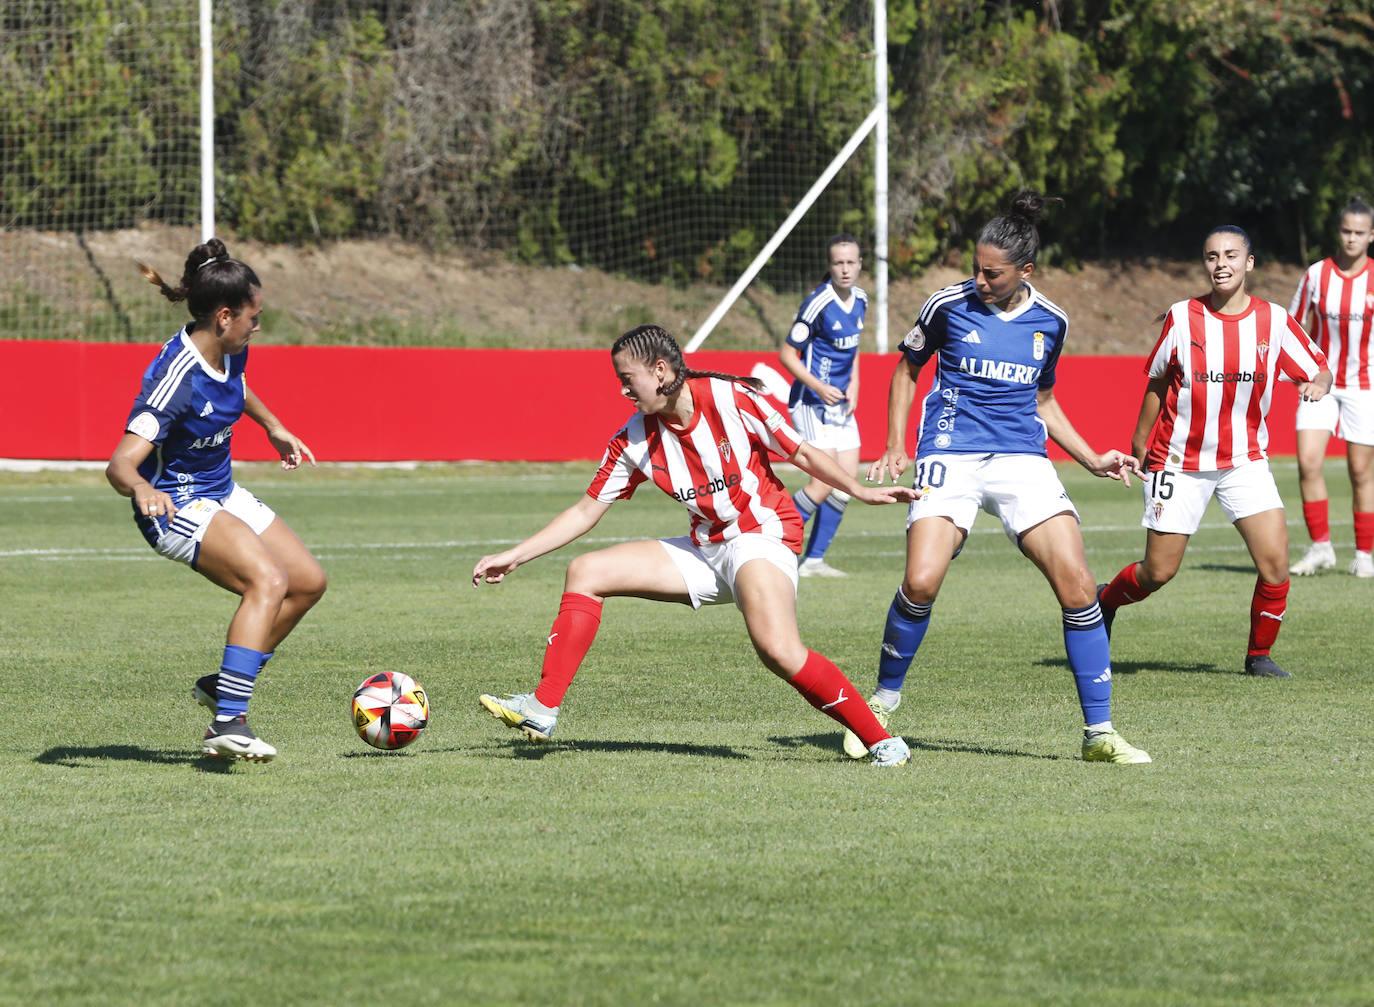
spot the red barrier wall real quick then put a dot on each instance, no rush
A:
(69, 400)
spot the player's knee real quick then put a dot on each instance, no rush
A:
(584, 575)
(310, 585)
(920, 587)
(1154, 575)
(268, 583)
(782, 660)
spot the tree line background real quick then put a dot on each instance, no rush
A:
(666, 140)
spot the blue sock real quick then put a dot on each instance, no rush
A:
(804, 504)
(828, 516)
(265, 658)
(237, 673)
(1090, 659)
(906, 628)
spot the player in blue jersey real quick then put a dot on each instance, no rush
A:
(822, 354)
(174, 463)
(996, 340)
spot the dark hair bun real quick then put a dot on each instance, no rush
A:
(1029, 204)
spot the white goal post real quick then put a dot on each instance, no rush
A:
(877, 120)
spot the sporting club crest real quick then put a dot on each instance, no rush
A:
(724, 445)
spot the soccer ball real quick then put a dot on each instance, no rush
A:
(390, 710)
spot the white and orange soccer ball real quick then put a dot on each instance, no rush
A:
(390, 710)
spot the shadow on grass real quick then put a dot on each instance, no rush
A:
(830, 743)
(78, 757)
(1133, 667)
(526, 750)
(944, 745)
(1215, 567)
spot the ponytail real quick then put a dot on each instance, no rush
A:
(210, 280)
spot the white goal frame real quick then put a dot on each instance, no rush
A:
(877, 120)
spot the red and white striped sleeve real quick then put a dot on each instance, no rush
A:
(1300, 359)
(1303, 296)
(619, 473)
(1166, 351)
(766, 423)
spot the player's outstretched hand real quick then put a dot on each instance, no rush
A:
(891, 463)
(888, 494)
(493, 569)
(1117, 465)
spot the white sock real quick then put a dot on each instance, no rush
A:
(888, 697)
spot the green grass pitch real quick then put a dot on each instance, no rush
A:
(694, 835)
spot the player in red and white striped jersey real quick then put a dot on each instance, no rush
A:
(704, 439)
(1212, 375)
(1336, 302)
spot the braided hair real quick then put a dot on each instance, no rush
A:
(210, 280)
(649, 343)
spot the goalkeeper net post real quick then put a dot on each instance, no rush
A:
(207, 122)
(784, 230)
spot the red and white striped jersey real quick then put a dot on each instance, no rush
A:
(1221, 371)
(1344, 308)
(717, 466)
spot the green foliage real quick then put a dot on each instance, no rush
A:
(997, 102)
(307, 163)
(93, 123)
(1265, 121)
(664, 140)
(672, 104)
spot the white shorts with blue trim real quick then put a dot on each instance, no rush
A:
(710, 570)
(1021, 491)
(828, 427)
(179, 538)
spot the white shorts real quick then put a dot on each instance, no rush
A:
(1175, 500)
(827, 426)
(1022, 491)
(1346, 412)
(180, 538)
(710, 570)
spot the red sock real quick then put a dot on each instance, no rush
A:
(1364, 530)
(579, 617)
(1317, 516)
(828, 690)
(1266, 615)
(1125, 588)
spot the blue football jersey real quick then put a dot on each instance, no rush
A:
(830, 345)
(990, 366)
(188, 410)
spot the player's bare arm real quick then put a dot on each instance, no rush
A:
(901, 393)
(792, 363)
(1151, 404)
(122, 474)
(1112, 465)
(288, 446)
(573, 523)
(815, 462)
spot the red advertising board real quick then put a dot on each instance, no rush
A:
(69, 400)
